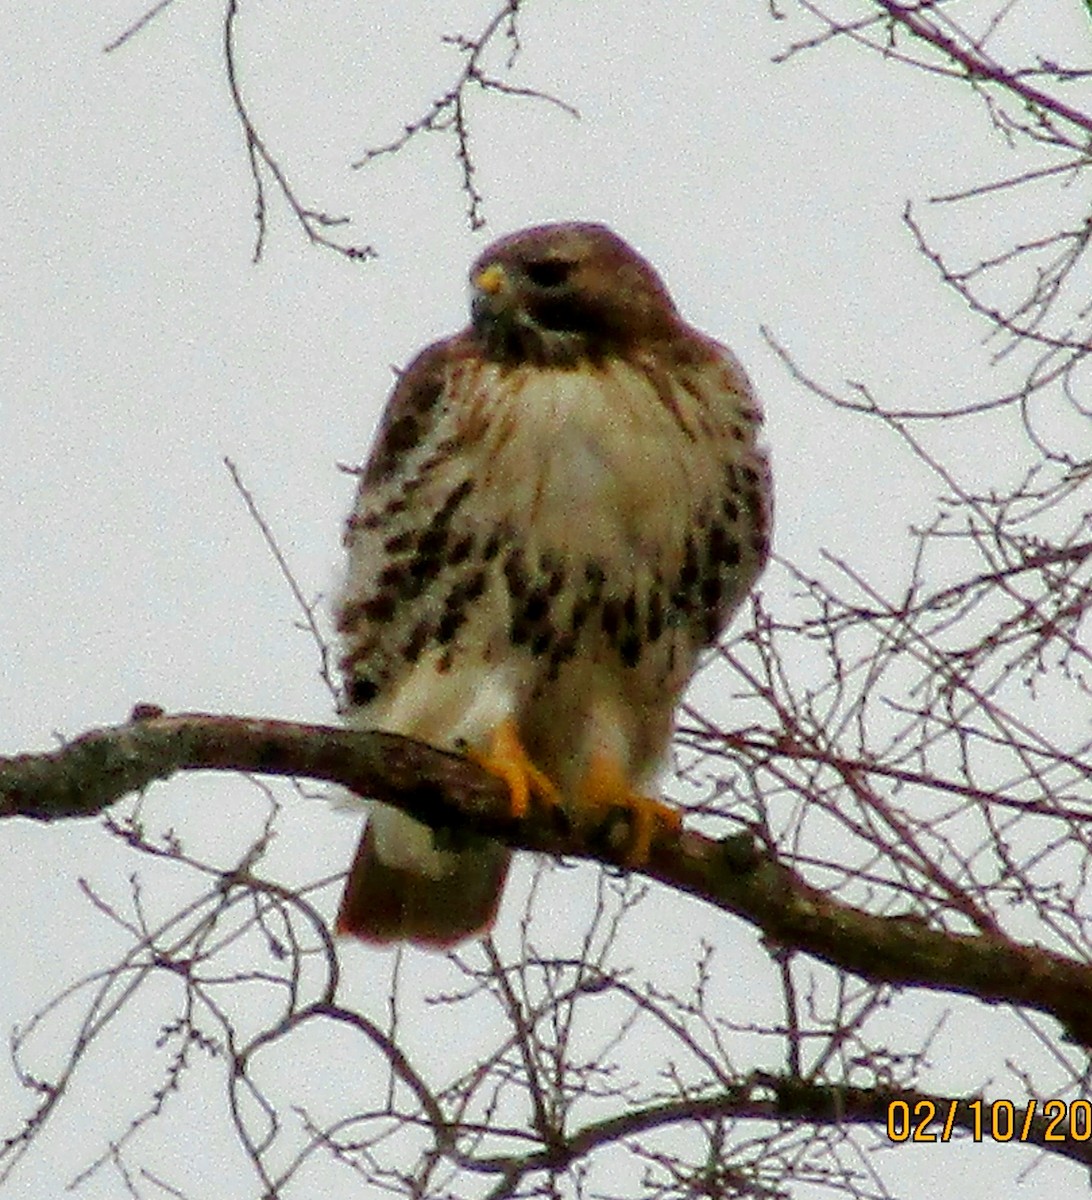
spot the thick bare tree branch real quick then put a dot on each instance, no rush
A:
(446, 791)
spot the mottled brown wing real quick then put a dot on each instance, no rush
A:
(401, 887)
(410, 414)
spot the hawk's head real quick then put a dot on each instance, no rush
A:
(565, 295)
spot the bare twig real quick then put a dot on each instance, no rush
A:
(448, 112)
(307, 607)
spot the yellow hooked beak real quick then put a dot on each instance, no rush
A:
(491, 280)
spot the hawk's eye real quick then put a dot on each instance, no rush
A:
(548, 272)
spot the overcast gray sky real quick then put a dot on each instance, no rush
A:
(139, 346)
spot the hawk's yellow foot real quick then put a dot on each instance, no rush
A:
(507, 758)
(605, 787)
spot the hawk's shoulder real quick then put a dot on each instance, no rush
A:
(415, 405)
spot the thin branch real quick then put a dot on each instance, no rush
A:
(312, 221)
(132, 30)
(447, 113)
(306, 607)
(979, 65)
(767, 1097)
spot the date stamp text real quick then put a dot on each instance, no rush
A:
(995, 1121)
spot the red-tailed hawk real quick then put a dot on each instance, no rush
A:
(564, 505)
